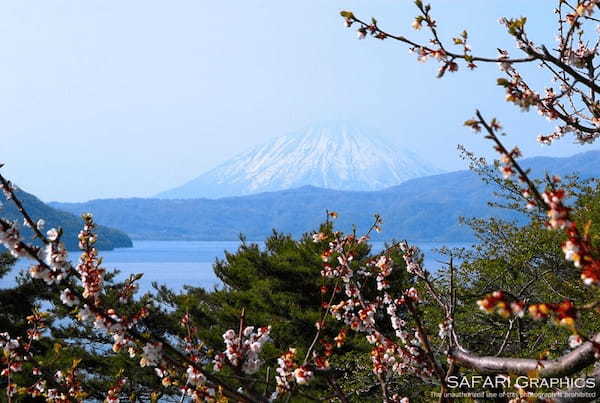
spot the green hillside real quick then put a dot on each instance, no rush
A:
(108, 238)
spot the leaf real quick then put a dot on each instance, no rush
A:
(57, 347)
(347, 14)
(503, 82)
(586, 229)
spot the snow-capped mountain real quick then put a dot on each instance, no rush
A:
(334, 156)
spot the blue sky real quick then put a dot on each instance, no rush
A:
(116, 99)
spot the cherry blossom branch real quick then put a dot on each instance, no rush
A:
(9, 192)
(508, 157)
(573, 59)
(374, 28)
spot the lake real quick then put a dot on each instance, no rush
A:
(177, 263)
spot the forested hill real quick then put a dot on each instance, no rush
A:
(108, 238)
(423, 209)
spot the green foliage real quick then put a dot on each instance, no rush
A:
(15, 303)
(278, 285)
(527, 263)
(65, 341)
(108, 238)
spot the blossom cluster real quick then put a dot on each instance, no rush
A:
(243, 351)
(563, 313)
(499, 303)
(18, 352)
(289, 372)
(112, 396)
(576, 248)
(50, 261)
(400, 355)
(12, 359)
(558, 213)
(11, 239)
(151, 354)
(411, 256)
(56, 266)
(92, 275)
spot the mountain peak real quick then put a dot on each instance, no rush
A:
(334, 155)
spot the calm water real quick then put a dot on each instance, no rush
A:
(177, 263)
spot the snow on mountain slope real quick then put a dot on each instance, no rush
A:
(334, 156)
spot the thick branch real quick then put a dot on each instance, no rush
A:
(571, 71)
(567, 365)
